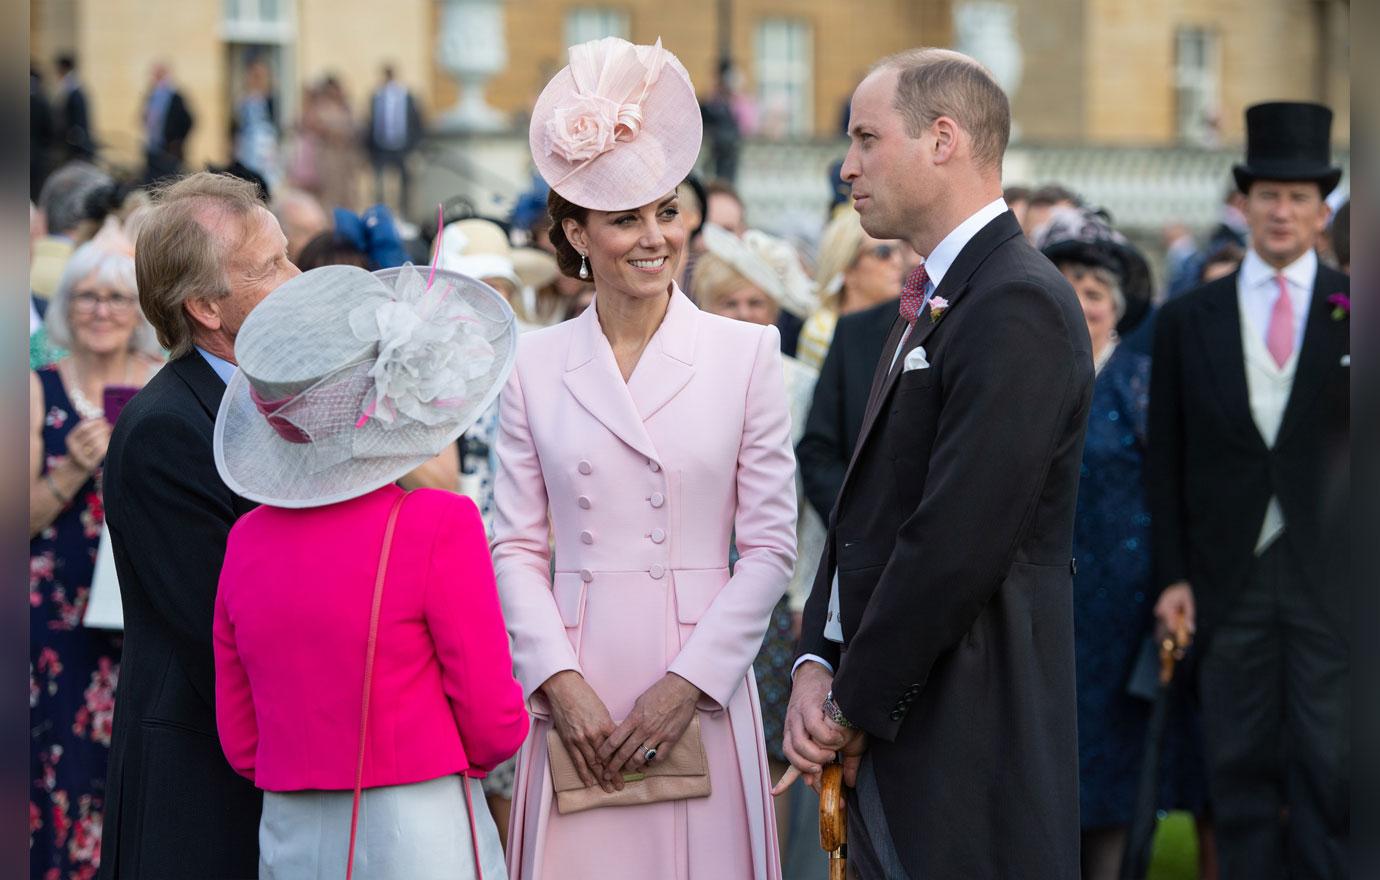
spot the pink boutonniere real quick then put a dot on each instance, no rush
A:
(1341, 306)
(938, 306)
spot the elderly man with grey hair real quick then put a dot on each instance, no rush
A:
(208, 252)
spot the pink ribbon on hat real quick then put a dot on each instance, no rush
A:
(612, 78)
(269, 408)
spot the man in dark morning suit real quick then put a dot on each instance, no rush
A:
(937, 645)
(167, 124)
(836, 412)
(74, 119)
(207, 254)
(1249, 457)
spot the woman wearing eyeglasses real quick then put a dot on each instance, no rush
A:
(855, 271)
(94, 314)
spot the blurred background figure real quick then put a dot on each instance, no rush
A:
(745, 278)
(728, 116)
(724, 207)
(1185, 261)
(301, 216)
(42, 134)
(854, 272)
(326, 161)
(395, 128)
(73, 116)
(1339, 237)
(1017, 199)
(254, 126)
(1042, 202)
(1112, 589)
(167, 124)
(112, 352)
(62, 206)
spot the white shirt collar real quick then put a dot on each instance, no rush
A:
(944, 253)
(1255, 272)
(224, 369)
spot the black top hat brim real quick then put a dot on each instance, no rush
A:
(1287, 172)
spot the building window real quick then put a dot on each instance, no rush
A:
(257, 21)
(1197, 85)
(785, 88)
(592, 23)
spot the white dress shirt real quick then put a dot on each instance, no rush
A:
(937, 265)
(1267, 383)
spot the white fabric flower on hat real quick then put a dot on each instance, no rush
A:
(421, 372)
(584, 128)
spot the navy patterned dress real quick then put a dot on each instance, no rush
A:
(1114, 611)
(72, 673)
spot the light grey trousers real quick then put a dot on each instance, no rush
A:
(406, 832)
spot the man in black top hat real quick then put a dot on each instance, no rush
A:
(1249, 444)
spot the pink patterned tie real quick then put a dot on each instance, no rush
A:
(1279, 339)
(913, 294)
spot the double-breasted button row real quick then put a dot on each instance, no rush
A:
(586, 575)
(657, 535)
(653, 465)
(584, 502)
(586, 537)
(656, 499)
(585, 467)
(657, 571)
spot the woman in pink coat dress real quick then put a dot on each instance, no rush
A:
(346, 382)
(645, 435)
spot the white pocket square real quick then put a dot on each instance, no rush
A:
(915, 360)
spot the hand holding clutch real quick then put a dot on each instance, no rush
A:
(657, 721)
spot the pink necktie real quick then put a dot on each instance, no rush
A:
(1279, 339)
(913, 294)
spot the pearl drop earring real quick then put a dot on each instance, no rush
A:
(584, 268)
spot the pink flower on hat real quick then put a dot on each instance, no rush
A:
(583, 128)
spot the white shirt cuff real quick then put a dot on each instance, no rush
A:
(815, 657)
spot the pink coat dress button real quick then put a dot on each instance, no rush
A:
(583, 501)
(657, 536)
(586, 575)
(657, 571)
(657, 499)
(587, 537)
(654, 466)
(585, 468)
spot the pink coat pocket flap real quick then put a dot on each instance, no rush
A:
(569, 591)
(695, 591)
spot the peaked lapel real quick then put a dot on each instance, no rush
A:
(952, 288)
(203, 381)
(1316, 355)
(668, 364)
(1219, 331)
(591, 372)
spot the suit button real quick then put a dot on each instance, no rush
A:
(583, 501)
(896, 714)
(657, 499)
(657, 571)
(653, 465)
(586, 575)
(657, 535)
(587, 537)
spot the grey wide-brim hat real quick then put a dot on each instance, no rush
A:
(348, 380)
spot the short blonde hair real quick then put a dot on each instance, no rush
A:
(715, 278)
(839, 247)
(941, 82)
(183, 246)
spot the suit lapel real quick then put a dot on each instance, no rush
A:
(1219, 330)
(198, 375)
(592, 376)
(1315, 356)
(952, 288)
(668, 363)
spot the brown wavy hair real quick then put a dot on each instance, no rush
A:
(567, 258)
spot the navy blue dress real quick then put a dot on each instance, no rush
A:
(72, 673)
(1114, 610)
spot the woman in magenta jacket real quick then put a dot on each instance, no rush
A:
(348, 380)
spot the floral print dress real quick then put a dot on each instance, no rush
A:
(72, 673)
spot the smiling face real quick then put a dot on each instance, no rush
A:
(635, 253)
(102, 315)
(1285, 219)
(887, 168)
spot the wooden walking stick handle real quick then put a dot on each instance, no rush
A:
(833, 820)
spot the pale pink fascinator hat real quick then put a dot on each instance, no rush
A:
(618, 128)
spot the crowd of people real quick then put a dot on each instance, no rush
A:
(432, 558)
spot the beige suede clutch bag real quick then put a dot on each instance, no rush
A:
(678, 773)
